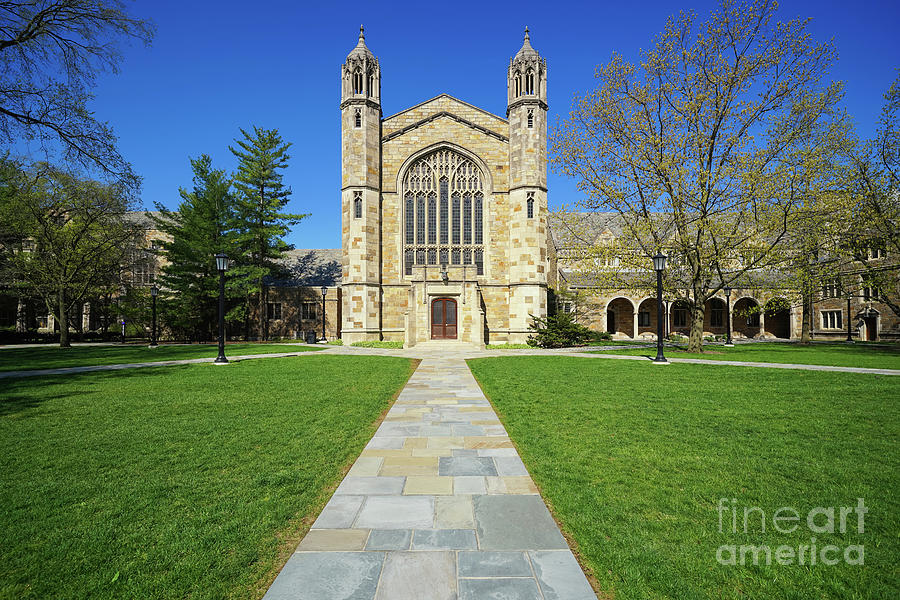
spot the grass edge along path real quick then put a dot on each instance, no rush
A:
(632, 460)
(177, 481)
(53, 357)
(820, 354)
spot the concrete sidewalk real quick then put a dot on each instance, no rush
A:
(439, 506)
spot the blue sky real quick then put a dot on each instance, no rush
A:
(220, 65)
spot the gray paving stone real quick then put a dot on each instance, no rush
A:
(469, 485)
(498, 452)
(460, 452)
(389, 539)
(444, 539)
(385, 442)
(516, 522)
(499, 589)
(560, 576)
(435, 431)
(397, 512)
(418, 576)
(468, 430)
(328, 576)
(370, 485)
(510, 466)
(466, 465)
(494, 564)
(339, 513)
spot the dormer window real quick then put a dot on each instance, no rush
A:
(530, 119)
(358, 119)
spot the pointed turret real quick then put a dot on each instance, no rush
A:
(360, 73)
(527, 75)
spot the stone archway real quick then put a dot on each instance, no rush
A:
(778, 318)
(745, 315)
(620, 317)
(647, 317)
(714, 316)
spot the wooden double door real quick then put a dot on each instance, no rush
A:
(443, 319)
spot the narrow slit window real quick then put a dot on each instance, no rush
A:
(357, 205)
(479, 262)
(409, 261)
(358, 119)
(420, 220)
(479, 213)
(530, 119)
(432, 219)
(530, 205)
(410, 220)
(444, 212)
(467, 219)
(455, 218)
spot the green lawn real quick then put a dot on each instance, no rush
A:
(176, 482)
(837, 354)
(54, 357)
(634, 459)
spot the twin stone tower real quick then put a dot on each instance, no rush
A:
(443, 210)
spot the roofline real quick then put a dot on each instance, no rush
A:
(490, 114)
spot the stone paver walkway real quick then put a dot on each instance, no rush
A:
(438, 506)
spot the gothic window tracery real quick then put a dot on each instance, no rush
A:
(444, 203)
(357, 81)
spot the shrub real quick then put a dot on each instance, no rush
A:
(377, 344)
(559, 331)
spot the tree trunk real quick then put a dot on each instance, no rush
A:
(695, 342)
(63, 319)
(805, 321)
(262, 310)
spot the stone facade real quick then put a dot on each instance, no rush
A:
(443, 200)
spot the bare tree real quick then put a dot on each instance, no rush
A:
(51, 52)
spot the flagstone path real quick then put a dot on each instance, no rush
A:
(438, 506)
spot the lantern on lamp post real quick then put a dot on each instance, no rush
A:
(659, 265)
(221, 266)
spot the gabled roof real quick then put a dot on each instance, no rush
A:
(439, 97)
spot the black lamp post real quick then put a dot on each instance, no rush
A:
(728, 341)
(222, 266)
(659, 265)
(154, 292)
(324, 292)
(849, 331)
(122, 292)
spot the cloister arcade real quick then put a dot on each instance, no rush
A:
(628, 316)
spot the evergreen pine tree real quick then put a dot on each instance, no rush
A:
(199, 229)
(261, 195)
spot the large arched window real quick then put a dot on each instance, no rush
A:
(443, 196)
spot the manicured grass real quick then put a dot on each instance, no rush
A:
(176, 482)
(508, 347)
(634, 459)
(54, 357)
(837, 354)
(378, 344)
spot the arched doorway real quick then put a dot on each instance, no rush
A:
(620, 317)
(714, 316)
(778, 318)
(443, 319)
(647, 316)
(745, 317)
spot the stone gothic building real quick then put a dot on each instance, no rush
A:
(443, 210)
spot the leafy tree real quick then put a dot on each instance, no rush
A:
(77, 237)
(51, 52)
(690, 147)
(261, 196)
(560, 331)
(196, 232)
(874, 220)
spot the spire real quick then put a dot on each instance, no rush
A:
(361, 49)
(526, 49)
